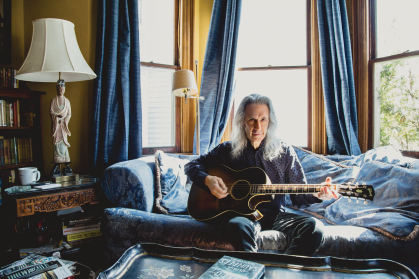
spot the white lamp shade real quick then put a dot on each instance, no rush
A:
(54, 50)
(184, 79)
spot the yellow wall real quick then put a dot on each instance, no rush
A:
(83, 13)
(204, 17)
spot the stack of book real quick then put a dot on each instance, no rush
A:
(80, 228)
(15, 114)
(15, 150)
(8, 78)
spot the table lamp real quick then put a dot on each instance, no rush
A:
(55, 56)
(184, 85)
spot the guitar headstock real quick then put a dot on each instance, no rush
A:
(365, 192)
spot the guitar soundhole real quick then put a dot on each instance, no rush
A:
(240, 190)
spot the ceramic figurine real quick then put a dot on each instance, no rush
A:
(60, 111)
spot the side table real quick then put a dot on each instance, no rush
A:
(28, 203)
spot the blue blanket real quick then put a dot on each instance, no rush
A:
(395, 209)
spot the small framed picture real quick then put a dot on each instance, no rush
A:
(5, 31)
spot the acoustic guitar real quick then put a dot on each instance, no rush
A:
(251, 186)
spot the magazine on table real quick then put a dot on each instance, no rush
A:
(37, 267)
(233, 268)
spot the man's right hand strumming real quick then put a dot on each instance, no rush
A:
(216, 186)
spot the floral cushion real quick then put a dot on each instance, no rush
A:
(172, 185)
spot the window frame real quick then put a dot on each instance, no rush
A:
(308, 67)
(176, 67)
(371, 66)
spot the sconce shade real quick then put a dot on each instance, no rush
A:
(184, 79)
(54, 50)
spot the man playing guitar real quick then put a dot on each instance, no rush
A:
(254, 144)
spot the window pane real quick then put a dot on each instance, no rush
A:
(157, 31)
(288, 91)
(396, 22)
(272, 32)
(158, 105)
(396, 104)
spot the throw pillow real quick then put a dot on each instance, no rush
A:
(172, 185)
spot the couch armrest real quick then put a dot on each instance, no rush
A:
(130, 184)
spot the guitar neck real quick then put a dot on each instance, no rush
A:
(282, 189)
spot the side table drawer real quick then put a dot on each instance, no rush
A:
(53, 202)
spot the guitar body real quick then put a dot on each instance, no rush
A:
(204, 206)
(242, 199)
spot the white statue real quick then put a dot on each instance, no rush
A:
(60, 111)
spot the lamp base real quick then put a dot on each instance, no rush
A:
(56, 171)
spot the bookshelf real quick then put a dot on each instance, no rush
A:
(25, 134)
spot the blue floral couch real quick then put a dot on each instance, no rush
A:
(149, 197)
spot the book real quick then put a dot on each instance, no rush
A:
(13, 151)
(80, 242)
(6, 151)
(47, 186)
(233, 268)
(18, 112)
(15, 82)
(6, 107)
(1, 151)
(15, 114)
(78, 219)
(83, 235)
(27, 119)
(12, 118)
(1, 113)
(81, 229)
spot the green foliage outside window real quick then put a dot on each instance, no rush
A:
(399, 101)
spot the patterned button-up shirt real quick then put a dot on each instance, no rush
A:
(285, 169)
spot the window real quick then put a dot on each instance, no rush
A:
(157, 54)
(273, 57)
(394, 66)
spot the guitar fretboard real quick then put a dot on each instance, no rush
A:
(286, 188)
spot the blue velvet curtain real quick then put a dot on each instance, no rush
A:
(218, 72)
(338, 78)
(117, 100)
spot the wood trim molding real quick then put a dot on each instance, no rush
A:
(186, 61)
(318, 123)
(54, 202)
(360, 39)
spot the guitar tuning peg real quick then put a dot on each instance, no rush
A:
(349, 199)
(357, 201)
(364, 183)
(366, 202)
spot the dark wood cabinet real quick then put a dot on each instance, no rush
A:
(30, 115)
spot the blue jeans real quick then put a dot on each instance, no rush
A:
(304, 234)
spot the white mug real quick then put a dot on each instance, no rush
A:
(28, 175)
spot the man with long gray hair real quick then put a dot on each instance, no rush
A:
(254, 144)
